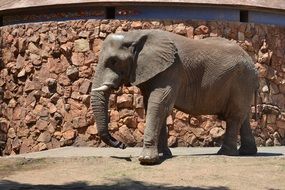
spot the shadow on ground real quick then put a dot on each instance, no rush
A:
(125, 184)
(259, 154)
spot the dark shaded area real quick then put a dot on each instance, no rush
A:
(110, 12)
(129, 159)
(124, 184)
(1, 20)
(259, 154)
(243, 16)
(266, 154)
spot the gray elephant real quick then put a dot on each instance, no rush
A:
(210, 76)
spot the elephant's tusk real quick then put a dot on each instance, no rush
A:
(101, 88)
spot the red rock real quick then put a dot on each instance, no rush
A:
(51, 128)
(190, 32)
(12, 103)
(81, 45)
(11, 133)
(54, 98)
(25, 148)
(75, 96)
(55, 143)
(57, 66)
(126, 134)
(66, 48)
(57, 134)
(169, 120)
(30, 118)
(194, 121)
(79, 122)
(77, 109)
(180, 29)
(280, 124)
(130, 121)
(42, 124)
(92, 130)
(141, 114)
(58, 118)
(77, 59)
(125, 112)
(217, 132)
(172, 141)
(85, 72)
(201, 30)
(85, 86)
(42, 146)
(23, 132)
(182, 116)
(207, 124)
(141, 127)
(125, 101)
(114, 116)
(4, 125)
(138, 136)
(44, 137)
(22, 44)
(198, 132)
(72, 72)
(16, 144)
(136, 25)
(191, 139)
(179, 125)
(63, 79)
(51, 108)
(69, 134)
(40, 111)
(113, 126)
(138, 101)
(8, 148)
(31, 85)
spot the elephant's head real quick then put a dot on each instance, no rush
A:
(127, 58)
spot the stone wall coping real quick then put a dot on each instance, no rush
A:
(16, 5)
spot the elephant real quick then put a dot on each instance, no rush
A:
(211, 76)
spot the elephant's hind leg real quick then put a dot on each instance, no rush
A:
(162, 143)
(229, 146)
(248, 146)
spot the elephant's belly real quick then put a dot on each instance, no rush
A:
(203, 102)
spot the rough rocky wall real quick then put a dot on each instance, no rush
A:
(46, 72)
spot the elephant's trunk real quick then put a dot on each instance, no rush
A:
(99, 103)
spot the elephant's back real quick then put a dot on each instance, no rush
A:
(212, 66)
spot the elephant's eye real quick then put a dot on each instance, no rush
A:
(112, 62)
(127, 45)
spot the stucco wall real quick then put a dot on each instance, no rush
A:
(46, 75)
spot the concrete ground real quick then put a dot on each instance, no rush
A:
(84, 168)
(134, 152)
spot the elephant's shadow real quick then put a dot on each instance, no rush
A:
(258, 154)
(163, 158)
(130, 159)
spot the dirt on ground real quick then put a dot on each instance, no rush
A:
(181, 173)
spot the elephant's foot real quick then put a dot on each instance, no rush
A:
(149, 155)
(166, 152)
(228, 151)
(247, 150)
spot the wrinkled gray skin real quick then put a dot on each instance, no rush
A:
(209, 76)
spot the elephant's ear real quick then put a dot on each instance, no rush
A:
(154, 52)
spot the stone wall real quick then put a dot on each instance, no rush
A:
(46, 72)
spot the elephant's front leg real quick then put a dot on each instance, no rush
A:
(160, 102)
